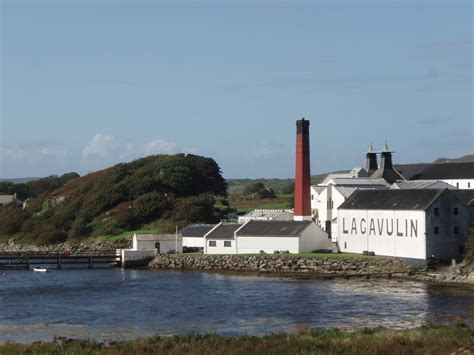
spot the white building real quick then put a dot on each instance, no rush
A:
(255, 237)
(147, 246)
(193, 235)
(267, 215)
(327, 198)
(414, 224)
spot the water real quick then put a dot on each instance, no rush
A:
(114, 304)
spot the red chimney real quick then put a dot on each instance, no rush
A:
(302, 176)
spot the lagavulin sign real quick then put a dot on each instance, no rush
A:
(399, 227)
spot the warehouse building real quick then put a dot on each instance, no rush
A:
(414, 224)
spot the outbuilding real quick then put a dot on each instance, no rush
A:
(413, 224)
(193, 236)
(221, 239)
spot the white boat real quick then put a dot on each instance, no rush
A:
(40, 269)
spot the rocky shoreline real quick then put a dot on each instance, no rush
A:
(307, 266)
(77, 247)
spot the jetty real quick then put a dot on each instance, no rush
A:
(24, 260)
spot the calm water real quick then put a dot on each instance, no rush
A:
(111, 304)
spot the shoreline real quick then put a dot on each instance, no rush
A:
(433, 339)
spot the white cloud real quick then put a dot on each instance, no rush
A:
(160, 146)
(104, 146)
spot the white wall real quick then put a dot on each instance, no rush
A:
(461, 183)
(165, 245)
(168, 245)
(130, 255)
(194, 242)
(385, 232)
(313, 238)
(253, 244)
(219, 248)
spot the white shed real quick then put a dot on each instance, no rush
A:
(162, 243)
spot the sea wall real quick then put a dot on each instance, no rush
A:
(280, 264)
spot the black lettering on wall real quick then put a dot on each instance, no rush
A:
(414, 228)
(391, 229)
(354, 226)
(364, 228)
(372, 227)
(380, 226)
(344, 230)
(398, 230)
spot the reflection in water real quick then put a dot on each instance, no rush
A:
(115, 304)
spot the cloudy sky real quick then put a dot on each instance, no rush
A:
(86, 84)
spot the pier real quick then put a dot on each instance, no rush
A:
(24, 260)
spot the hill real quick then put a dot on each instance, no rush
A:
(164, 189)
(464, 159)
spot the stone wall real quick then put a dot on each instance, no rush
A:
(79, 247)
(280, 264)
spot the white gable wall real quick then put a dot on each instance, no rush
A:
(313, 238)
(220, 248)
(253, 244)
(193, 242)
(385, 232)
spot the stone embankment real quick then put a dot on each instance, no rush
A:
(282, 264)
(77, 247)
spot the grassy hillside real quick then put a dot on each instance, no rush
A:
(160, 190)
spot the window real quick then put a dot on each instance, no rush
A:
(456, 211)
(436, 211)
(457, 184)
(468, 185)
(212, 243)
(345, 245)
(456, 230)
(227, 243)
(436, 230)
(312, 197)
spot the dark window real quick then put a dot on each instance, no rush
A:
(227, 243)
(436, 211)
(457, 184)
(468, 185)
(456, 211)
(212, 243)
(312, 197)
(436, 230)
(345, 245)
(456, 230)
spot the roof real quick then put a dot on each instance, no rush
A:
(196, 230)
(423, 184)
(389, 174)
(4, 199)
(223, 231)
(354, 182)
(318, 189)
(268, 214)
(273, 228)
(466, 196)
(409, 171)
(156, 237)
(391, 199)
(446, 171)
(346, 191)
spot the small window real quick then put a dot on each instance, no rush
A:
(345, 245)
(312, 197)
(456, 211)
(457, 184)
(436, 211)
(456, 230)
(227, 243)
(468, 185)
(212, 243)
(436, 230)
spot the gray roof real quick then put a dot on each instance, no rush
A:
(273, 228)
(446, 171)
(346, 191)
(466, 196)
(157, 237)
(4, 199)
(360, 181)
(408, 171)
(318, 189)
(196, 230)
(423, 184)
(224, 231)
(391, 199)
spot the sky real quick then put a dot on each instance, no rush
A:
(87, 84)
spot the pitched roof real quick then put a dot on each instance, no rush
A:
(156, 237)
(223, 231)
(409, 171)
(466, 196)
(355, 182)
(446, 171)
(389, 174)
(391, 199)
(346, 191)
(273, 228)
(423, 184)
(196, 230)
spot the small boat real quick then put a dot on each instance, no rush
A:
(40, 269)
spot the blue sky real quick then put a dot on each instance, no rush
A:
(88, 84)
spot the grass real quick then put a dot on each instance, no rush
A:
(423, 340)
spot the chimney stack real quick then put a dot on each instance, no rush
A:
(371, 161)
(302, 176)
